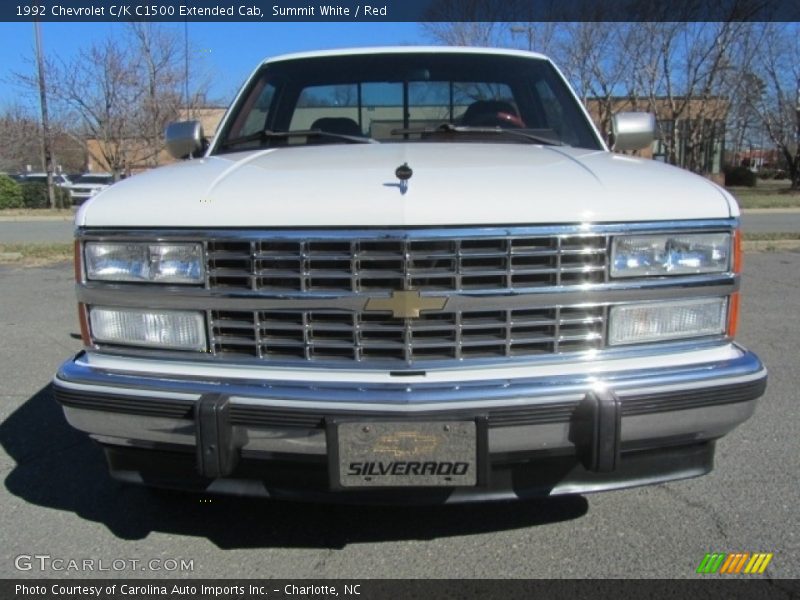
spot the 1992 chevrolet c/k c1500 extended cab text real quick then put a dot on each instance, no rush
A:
(409, 274)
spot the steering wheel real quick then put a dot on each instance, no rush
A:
(506, 119)
(502, 119)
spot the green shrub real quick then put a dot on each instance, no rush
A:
(741, 176)
(10, 193)
(34, 195)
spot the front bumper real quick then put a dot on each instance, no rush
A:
(545, 435)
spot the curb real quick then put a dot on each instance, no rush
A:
(37, 218)
(770, 245)
(767, 211)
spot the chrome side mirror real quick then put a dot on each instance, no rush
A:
(633, 130)
(184, 139)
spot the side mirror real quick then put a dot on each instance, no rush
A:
(184, 138)
(633, 130)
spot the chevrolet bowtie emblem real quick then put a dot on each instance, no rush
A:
(405, 305)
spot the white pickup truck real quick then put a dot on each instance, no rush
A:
(409, 275)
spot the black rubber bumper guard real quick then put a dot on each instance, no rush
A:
(217, 454)
(595, 431)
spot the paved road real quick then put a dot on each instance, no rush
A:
(14, 232)
(771, 222)
(57, 498)
(36, 232)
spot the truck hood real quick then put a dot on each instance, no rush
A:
(452, 184)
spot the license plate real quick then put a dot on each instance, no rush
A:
(399, 454)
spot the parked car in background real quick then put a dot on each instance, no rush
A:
(89, 184)
(59, 179)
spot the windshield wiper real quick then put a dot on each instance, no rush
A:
(269, 134)
(446, 128)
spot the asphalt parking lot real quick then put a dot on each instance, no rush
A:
(57, 499)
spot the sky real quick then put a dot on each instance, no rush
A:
(227, 51)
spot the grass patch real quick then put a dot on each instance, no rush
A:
(771, 241)
(771, 236)
(35, 255)
(767, 194)
(772, 246)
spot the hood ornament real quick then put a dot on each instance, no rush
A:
(403, 173)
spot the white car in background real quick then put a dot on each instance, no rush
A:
(59, 179)
(88, 185)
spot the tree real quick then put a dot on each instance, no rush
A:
(21, 132)
(778, 107)
(100, 90)
(118, 94)
(744, 125)
(161, 77)
(467, 34)
(21, 135)
(690, 70)
(590, 53)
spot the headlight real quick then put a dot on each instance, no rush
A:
(678, 254)
(139, 262)
(173, 329)
(659, 321)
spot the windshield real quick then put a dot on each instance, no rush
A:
(425, 97)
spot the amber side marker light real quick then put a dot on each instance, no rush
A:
(733, 302)
(733, 315)
(738, 258)
(82, 320)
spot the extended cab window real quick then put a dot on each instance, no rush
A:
(403, 97)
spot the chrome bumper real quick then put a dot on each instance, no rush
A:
(658, 406)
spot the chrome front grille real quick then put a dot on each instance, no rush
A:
(299, 297)
(309, 267)
(320, 335)
(385, 265)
